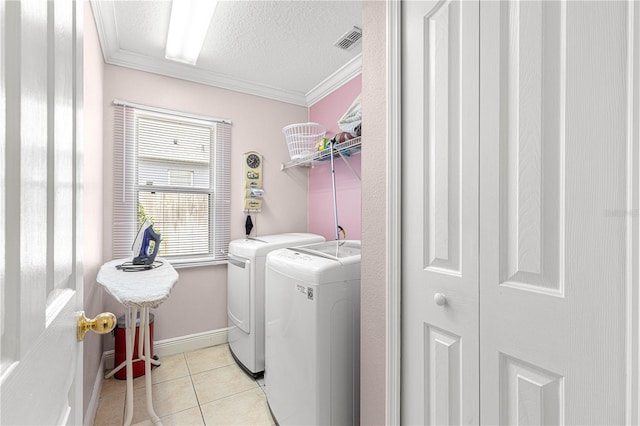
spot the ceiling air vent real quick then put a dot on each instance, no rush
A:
(349, 39)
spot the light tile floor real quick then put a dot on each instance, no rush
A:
(204, 387)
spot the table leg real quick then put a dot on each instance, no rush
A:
(124, 364)
(130, 336)
(144, 318)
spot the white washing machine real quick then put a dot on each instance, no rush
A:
(245, 294)
(312, 371)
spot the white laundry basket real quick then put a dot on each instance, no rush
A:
(302, 138)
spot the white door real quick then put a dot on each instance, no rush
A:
(40, 268)
(557, 199)
(551, 336)
(440, 365)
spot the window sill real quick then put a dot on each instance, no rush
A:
(184, 263)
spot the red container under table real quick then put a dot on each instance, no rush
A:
(120, 350)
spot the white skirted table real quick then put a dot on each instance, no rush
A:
(138, 291)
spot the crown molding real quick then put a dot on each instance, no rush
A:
(343, 75)
(104, 15)
(186, 72)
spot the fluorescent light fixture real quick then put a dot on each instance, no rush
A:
(190, 20)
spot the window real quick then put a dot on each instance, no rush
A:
(173, 169)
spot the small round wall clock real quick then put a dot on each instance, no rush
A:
(253, 161)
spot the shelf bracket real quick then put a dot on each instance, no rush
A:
(349, 166)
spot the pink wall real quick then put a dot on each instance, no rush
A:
(320, 197)
(373, 279)
(198, 303)
(93, 204)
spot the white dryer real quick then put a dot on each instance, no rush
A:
(312, 371)
(245, 294)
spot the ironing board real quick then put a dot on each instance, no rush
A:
(138, 291)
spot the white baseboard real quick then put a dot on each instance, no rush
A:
(177, 345)
(92, 409)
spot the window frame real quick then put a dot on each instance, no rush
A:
(127, 187)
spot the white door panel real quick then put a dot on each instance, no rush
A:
(554, 190)
(440, 212)
(41, 381)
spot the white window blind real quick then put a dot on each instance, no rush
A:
(172, 169)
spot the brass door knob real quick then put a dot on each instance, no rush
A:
(101, 324)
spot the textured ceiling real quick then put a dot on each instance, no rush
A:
(280, 49)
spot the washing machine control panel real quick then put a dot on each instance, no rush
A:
(297, 256)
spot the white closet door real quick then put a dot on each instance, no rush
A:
(556, 211)
(440, 366)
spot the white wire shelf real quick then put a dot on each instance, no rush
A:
(347, 148)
